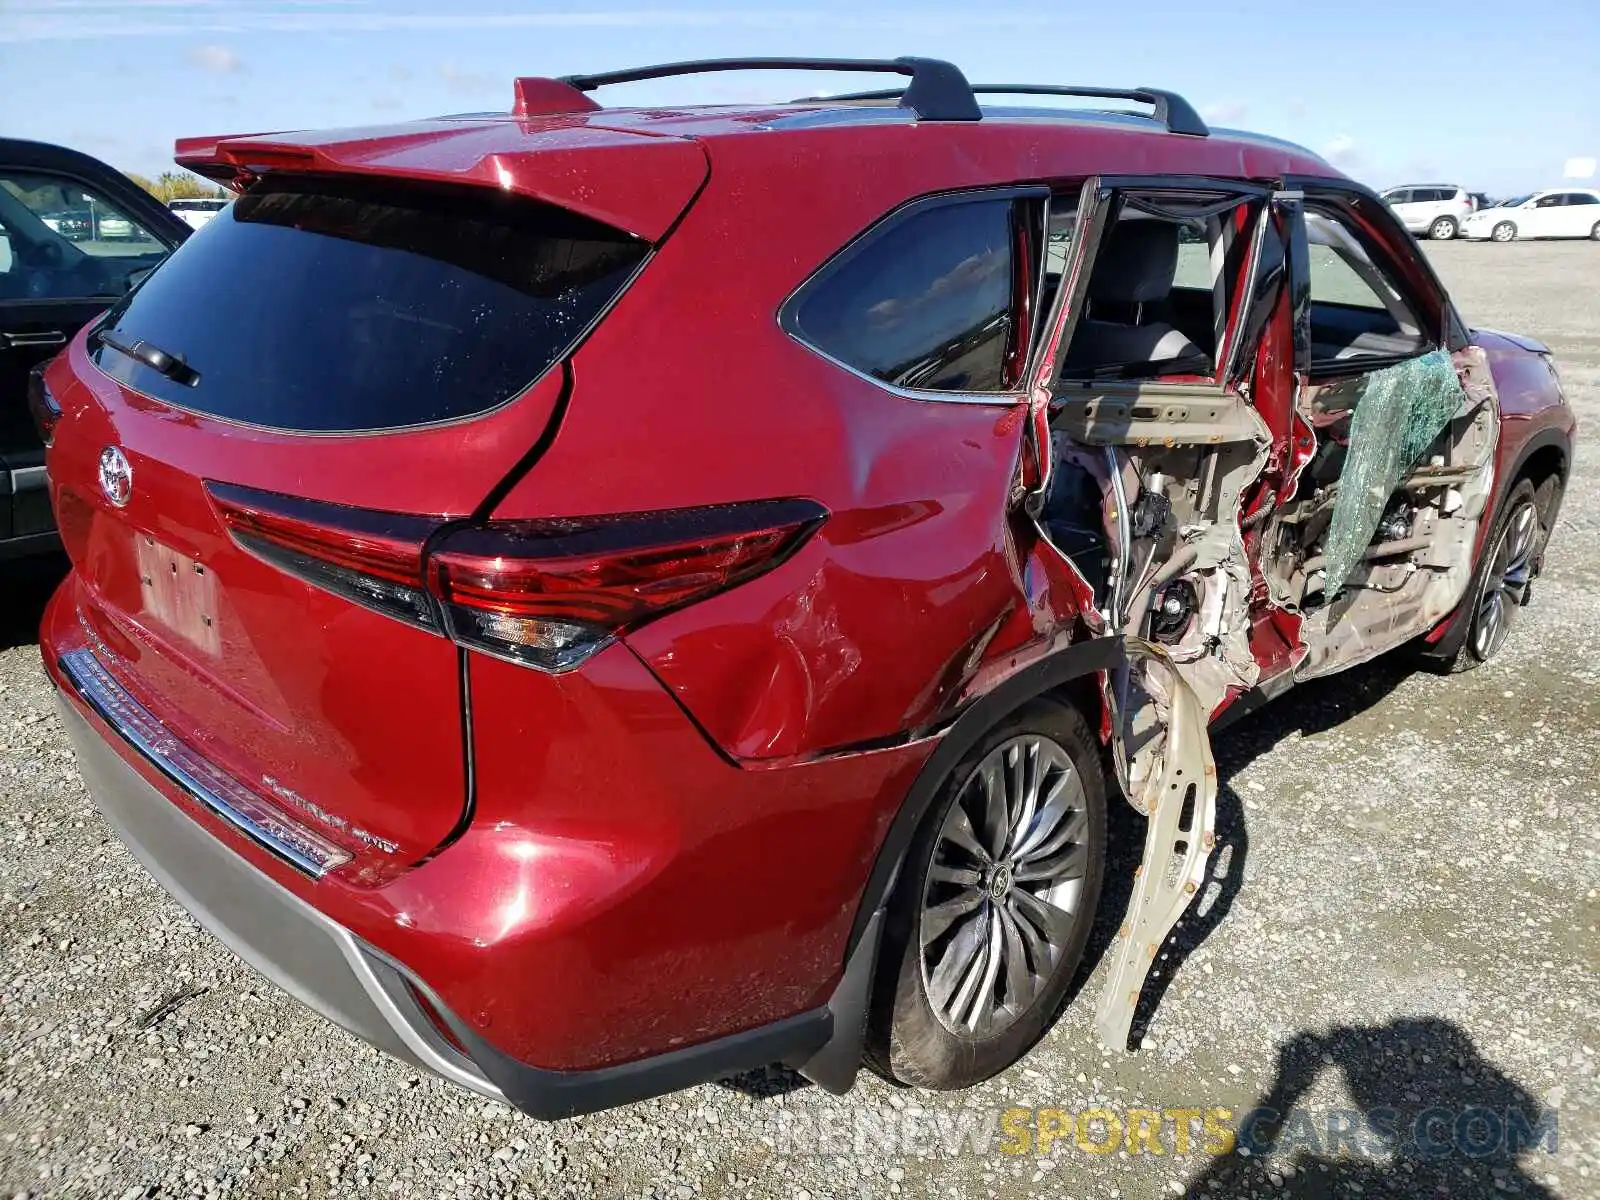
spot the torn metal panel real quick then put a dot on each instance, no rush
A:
(1180, 802)
(1399, 413)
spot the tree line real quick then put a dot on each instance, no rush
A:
(178, 185)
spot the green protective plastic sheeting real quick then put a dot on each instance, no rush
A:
(1401, 411)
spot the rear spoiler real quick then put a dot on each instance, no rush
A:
(202, 155)
(632, 182)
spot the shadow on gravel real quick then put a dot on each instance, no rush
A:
(766, 1082)
(26, 585)
(1432, 1117)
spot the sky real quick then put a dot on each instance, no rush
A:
(1496, 95)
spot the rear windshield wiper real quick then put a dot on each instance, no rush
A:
(157, 359)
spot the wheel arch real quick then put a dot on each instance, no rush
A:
(1070, 675)
(1546, 467)
(1545, 459)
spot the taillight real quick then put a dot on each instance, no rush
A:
(42, 405)
(547, 593)
(373, 558)
(550, 593)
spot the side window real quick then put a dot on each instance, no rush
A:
(1582, 198)
(926, 302)
(1553, 201)
(1359, 317)
(1399, 196)
(1161, 289)
(1061, 230)
(67, 242)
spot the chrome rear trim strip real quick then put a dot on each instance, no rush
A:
(218, 791)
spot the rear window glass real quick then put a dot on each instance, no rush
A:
(332, 306)
(924, 303)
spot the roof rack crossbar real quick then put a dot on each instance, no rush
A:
(938, 91)
(1171, 109)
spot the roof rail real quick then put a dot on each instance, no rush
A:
(1171, 109)
(938, 91)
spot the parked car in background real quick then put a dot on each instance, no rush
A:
(581, 740)
(1481, 200)
(72, 225)
(1434, 209)
(195, 211)
(75, 235)
(1555, 213)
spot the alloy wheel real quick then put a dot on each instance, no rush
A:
(1443, 229)
(1504, 232)
(1505, 588)
(1002, 897)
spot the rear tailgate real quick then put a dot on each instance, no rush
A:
(339, 342)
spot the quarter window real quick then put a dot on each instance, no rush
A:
(925, 303)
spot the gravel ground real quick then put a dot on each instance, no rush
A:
(1407, 919)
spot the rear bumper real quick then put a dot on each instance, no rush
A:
(330, 970)
(318, 962)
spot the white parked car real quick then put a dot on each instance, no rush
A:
(1436, 209)
(196, 211)
(1556, 213)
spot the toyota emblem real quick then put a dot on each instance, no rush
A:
(116, 476)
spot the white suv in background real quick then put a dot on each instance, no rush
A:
(196, 211)
(1557, 213)
(1436, 209)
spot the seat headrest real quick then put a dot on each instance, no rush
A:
(1137, 263)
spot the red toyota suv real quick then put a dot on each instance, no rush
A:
(593, 599)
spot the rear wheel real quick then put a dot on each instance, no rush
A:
(1504, 232)
(1594, 234)
(1443, 229)
(994, 904)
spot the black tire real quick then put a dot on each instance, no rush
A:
(1594, 234)
(908, 1042)
(1443, 229)
(1470, 651)
(1505, 231)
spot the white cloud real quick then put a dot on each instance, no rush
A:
(219, 60)
(1579, 168)
(466, 82)
(1342, 151)
(1227, 112)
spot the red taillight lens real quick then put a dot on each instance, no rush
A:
(372, 558)
(42, 405)
(547, 594)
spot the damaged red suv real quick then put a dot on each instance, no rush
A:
(594, 599)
